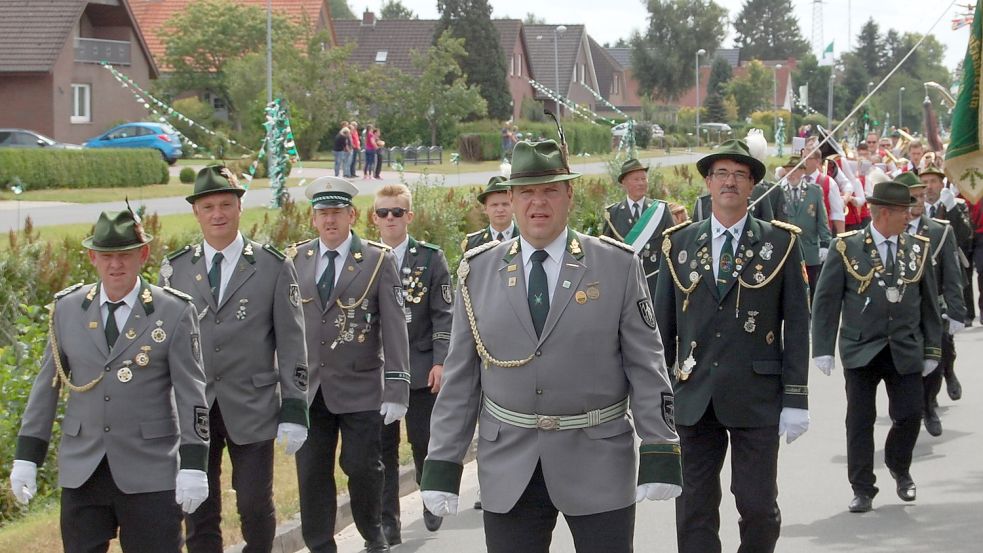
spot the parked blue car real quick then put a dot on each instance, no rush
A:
(158, 136)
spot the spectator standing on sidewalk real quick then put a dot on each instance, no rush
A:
(356, 148)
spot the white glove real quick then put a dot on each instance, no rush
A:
(823, 252)
(191, 489)
(439, 503)
(793, 422)
(955, 326)
(24, 480)
(291, 435)
(392, 413)
(930, 366)
(825, 363)
(948, 198)
(657, 492)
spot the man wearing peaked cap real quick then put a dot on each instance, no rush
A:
(252, 330)
(495, 202)
(763, 209)
(357, 341)
(880, 279)
(553, 337)
(135, 432)
(733, 313)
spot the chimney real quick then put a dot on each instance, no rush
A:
(368, 19)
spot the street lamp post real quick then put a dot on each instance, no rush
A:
(870, 84)
(699, 53)
(559, 30)
(900, 92)
(774, 71)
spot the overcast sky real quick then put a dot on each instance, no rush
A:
(611, 19)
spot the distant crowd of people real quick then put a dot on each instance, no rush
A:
(350, 142)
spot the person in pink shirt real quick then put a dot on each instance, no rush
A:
(370, 151)
(356, 147)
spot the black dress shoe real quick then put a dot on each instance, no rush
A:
(392, 534)
(431, 521)
(906, 486)
(861, 504)
(953, 387)
(933, 424)
(377, 547)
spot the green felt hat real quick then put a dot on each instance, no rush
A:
(735, 150)
(538, 163)
(910, 179)
(214, 179)
(891, 193)
(494, 185)
(792, 161)
(117, 231)
(631, 166)
(932, 169)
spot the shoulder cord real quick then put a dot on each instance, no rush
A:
(607, 219)
(781, 264)
(375, 273)
(60, 374)
(865, 280)
(462, 272)
(666, 248)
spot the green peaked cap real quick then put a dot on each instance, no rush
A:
(631, 166)
(117, 231)
(538, 163)
(494, 185)
(910, 179)
(214, 179)
(735, 150)
(891, 193)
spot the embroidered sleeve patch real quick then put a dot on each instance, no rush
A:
(668, 410)
(201, 422)
(647, 311)
(445, 292)
(300, 378)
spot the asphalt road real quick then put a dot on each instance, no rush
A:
(813, 487)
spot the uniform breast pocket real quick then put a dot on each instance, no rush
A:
(489, 430)
(850, 333)
(71, 426)
(767, 367)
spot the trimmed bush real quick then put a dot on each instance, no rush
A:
(187, 175)
(165, 173)
(582, 137)
(97, 168)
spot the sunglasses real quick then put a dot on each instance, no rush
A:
(384, 212)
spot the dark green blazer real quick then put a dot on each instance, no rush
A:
(945, 259)
(752, 343)
(482, 236)
(618, 222)
(809, 214)
(428, 296)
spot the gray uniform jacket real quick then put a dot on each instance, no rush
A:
(360, 354)
(254, 350)
(428, 296)
(598, 346)
(147, 408)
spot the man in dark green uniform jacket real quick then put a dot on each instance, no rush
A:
(732, 308)
(495, 202)
(804, 207)
(881, 280)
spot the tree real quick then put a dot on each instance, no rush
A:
(394, 9)
(340, 10)
(664, 57)
(714, 107)
(533, 19)
(720, 74)
(201, 39)
(870, 48)
(769, 30)
(754, 90)
(482, 59)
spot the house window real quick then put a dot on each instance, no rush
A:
(81, 103)
(381, 55)
(512, 66)
(583, 71)
(518, 65)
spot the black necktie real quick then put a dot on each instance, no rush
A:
(112, 330)
(325, 285)
(501, 236)
(725, 264)
(889, 261)
(538, 293)
(931, 211)
(634, 211)
(215, 275)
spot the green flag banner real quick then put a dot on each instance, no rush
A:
(964, 158)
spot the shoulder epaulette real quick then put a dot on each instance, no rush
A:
(611, 205)
(674, 228)
(291, 251)
(379, 245)
(943, 221)
(176, 254)
(68, 290)
(178, 293)
(434, 247)
(482, 248)
(786, 226)
(276, 253)
(847, 233)
(920, 237)
(475, 233)
(618, 243)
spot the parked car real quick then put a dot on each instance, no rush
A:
(158, 136)
(621, 129)
(23, 138)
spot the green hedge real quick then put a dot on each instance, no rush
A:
(582, 137)
(99, 168)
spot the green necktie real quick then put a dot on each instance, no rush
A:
(215, 276)
(325, 285)
(726, 264)
(889, 259)
(112, 330)
(539, 293)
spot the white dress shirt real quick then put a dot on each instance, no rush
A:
(912, 227)
(719, 236)
(400, 251)
(836, 211)
(230, 259)
(506, 234)
(122, 312)
(322, 261)
(633, 203)
(551, 265)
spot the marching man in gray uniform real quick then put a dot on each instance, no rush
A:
(135, 433)
(360, 376)
(554, 334)
(252, 331)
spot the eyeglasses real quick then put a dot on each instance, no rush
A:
(384, 212)
(724, 175)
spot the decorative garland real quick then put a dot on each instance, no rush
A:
(780, 136)
(282, 151)
(574, 108)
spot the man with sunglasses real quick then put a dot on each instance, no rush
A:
(427, 304)
(494, 200)
(732, 309)
(358, 351)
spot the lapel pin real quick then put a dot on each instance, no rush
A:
(511, 282)
(566, 283)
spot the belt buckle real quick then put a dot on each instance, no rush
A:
(544, 422)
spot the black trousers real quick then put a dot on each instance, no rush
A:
(418, 434)
(528, 527)
(252, 479)
(91, 514)
(812, 272)
(968, 294)
(904, 394)
(754, 472)
(360, 460)
(932, 383)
